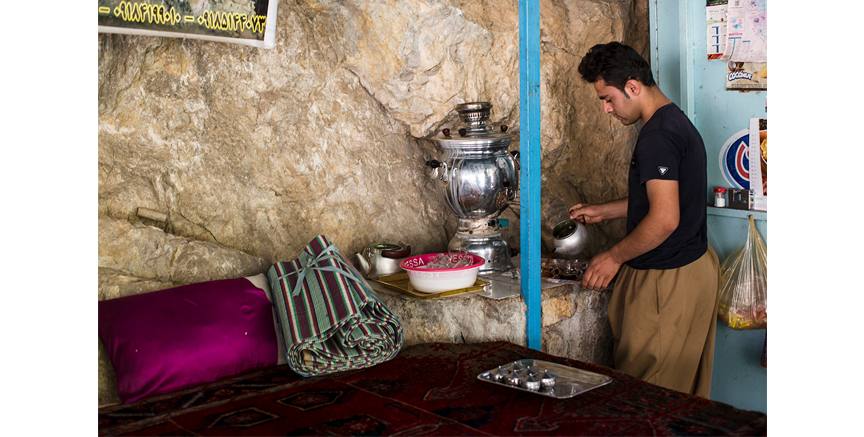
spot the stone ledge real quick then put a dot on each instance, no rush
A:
(575, 323)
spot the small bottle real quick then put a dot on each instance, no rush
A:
(720, 197)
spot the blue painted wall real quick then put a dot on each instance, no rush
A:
(737, 379)
(681, 68)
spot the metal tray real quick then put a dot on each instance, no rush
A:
(569, 381)
(401, 282)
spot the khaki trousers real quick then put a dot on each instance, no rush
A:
(664, 322)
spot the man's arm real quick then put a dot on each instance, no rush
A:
(587, 213)
(655, 228)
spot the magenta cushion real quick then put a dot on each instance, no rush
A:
(172, 339)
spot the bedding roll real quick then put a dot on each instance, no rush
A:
(330, 318)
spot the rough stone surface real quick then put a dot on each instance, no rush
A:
(586, 334)
(251, 153)
(466, 319)
(107, 379)
(136, 258)
(574, 321)
(328, 132)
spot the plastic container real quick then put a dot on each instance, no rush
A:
(720, 197)
(440, 280)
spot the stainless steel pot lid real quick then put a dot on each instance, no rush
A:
(390, 250)
(386, 246)
(475, 134)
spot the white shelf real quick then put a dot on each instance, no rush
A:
(738, 213)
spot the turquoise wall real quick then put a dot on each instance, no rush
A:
(737, 379)
(697, 85)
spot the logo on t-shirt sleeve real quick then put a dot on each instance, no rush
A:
(662, 170)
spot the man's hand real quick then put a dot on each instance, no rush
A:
(656, 227)
(600, 272)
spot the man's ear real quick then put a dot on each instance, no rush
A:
(633, 87)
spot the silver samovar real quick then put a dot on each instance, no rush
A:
(477, 179)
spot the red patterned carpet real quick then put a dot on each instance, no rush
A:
(428, 389)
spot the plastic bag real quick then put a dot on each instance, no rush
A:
(743, 302)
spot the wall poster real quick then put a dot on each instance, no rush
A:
(715, 14)
(738, 35)
(746, 31)
(746, 76)
(759, 162)
(247, 22)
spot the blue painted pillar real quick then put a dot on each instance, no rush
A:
(529, 164)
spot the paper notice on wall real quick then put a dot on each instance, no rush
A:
(746, 76)
(759, 162)
(715, 14)
(746, 31)
(251, 23)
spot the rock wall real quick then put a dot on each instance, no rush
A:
(246, 154)
(327, 133)
(574, 323)
(135, 258)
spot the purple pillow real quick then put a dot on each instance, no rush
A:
(173, 339)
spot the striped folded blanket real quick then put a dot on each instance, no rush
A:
(330, 318)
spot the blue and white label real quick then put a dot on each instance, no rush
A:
(735, 160)
(735, 75)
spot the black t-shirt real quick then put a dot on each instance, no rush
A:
(670, 148)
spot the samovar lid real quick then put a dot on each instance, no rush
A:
(475, 134)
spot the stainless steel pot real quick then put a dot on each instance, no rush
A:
(381, 259)
(477, 177)
(569, 238)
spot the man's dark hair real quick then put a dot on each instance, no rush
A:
(615, 63)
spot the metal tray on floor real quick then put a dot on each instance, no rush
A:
(568, 381)
(400, 282)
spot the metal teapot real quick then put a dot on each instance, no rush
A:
(381, 259)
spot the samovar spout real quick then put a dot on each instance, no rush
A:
(436, 173)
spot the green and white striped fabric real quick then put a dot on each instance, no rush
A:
(330, 318)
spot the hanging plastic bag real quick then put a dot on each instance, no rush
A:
(743, 302)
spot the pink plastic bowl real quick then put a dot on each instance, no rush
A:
(441, 280)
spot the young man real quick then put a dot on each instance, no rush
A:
(663, 307)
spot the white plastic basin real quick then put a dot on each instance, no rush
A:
(440, 280)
